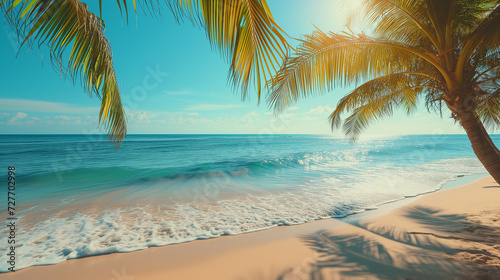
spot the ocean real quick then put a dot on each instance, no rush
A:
(77, 197)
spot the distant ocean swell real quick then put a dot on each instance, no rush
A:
(232, 167)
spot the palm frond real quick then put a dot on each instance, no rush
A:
(485, 36)
(375, 109)
(403, 21)
(244, 32)
(151, 7)
(405, 84)
(488, 109)
(324, 61)
(63, 24)
(378, 98)
(485, 66)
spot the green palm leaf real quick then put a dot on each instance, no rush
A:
(489, 110)
(378, 98)
(324, 61)
(69, 24)
(485, 36)
(244, 32)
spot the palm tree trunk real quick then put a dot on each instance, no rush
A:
(481, 143)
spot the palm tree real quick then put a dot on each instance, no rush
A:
(446, 52)
(244, 32)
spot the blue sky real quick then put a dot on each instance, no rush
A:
(172, 82)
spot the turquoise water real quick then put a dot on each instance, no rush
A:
(77, 197)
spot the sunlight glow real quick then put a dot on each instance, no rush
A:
(350, 6)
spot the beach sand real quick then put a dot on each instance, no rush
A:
(449, 234)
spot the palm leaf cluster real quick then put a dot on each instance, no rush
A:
(446, 52)
(243, 31)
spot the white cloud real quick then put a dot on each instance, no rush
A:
(248, 117)
(292, 108)
(321, 110)
(66, 118)
(18, 116)
(282, 119)
(189, 121)
(140, 117)
(32, 120)
(192, 114)
(42, 106)
(206, 107)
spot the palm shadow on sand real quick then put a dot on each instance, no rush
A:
(383, 252)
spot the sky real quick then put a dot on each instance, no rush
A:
(172, 82)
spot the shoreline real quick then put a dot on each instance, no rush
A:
(386, 207)
(274, 252)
